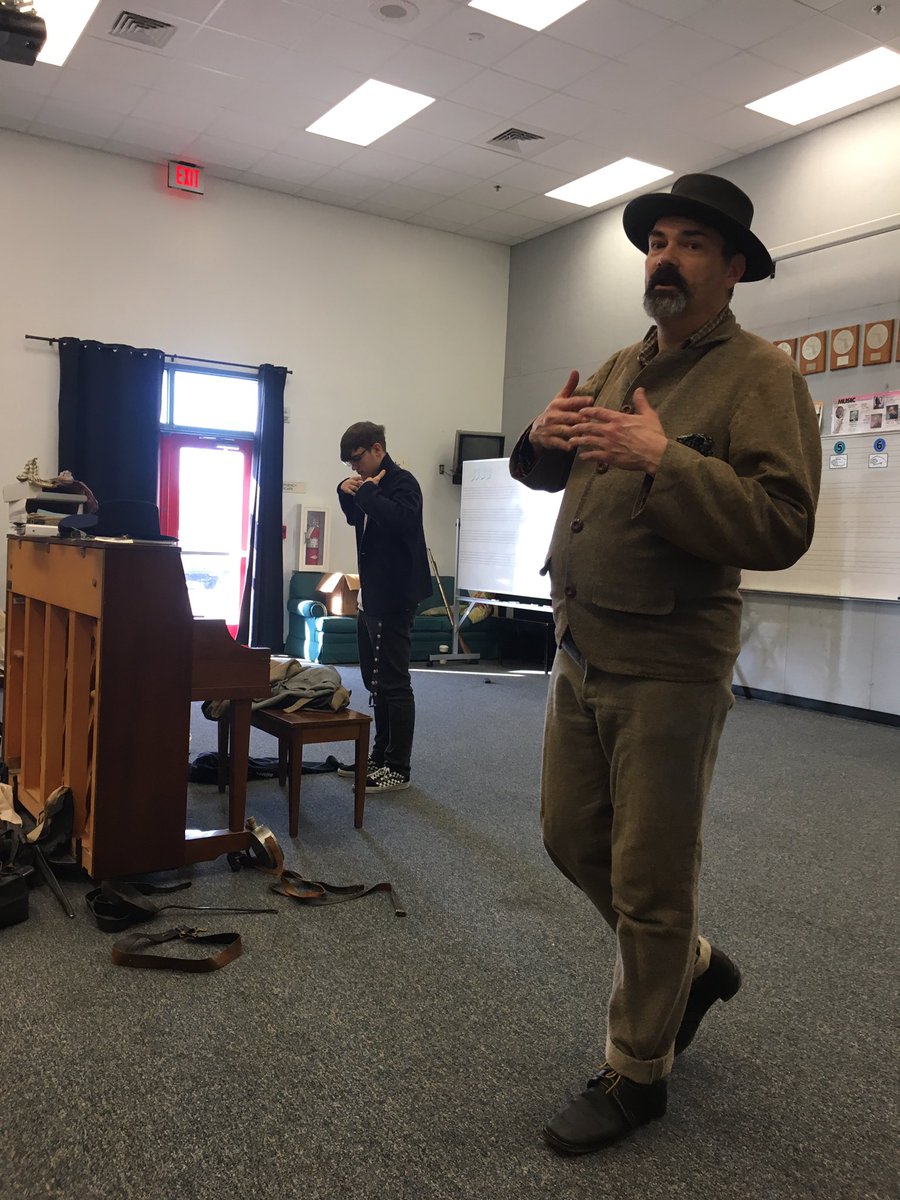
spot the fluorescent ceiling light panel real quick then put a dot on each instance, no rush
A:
(369, 113)
(871, 73)
(533, 14)
(65, 21)
(615, 180)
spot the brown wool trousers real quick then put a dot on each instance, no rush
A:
(626, 768)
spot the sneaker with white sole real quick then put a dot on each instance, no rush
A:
(348, 770)
(385, 780)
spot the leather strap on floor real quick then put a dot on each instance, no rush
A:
(116, 905)
(315, 892)
(132, 950)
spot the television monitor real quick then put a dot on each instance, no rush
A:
(472, 444)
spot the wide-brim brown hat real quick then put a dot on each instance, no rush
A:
(712, 200)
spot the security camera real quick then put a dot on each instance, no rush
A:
(22, 33)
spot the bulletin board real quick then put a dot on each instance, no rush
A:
(834, 296)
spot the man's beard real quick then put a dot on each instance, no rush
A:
(666, 304)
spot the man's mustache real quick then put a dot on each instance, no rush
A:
(666, 275)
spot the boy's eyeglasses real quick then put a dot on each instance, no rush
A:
(356, 458)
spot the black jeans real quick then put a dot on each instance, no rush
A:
(384, 647)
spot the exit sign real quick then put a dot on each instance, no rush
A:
(185, 177)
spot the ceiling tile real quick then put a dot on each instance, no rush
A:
(495, 195)
(432, 222)
(406, 199)
(198, 83)
(289, 105)
(451, 120)
(743, 78)
(736, 128)
(674, 10)
(80, 118)
(813, 46)
(421, 69)
(219, 152)
(861, 16)
(235, 127)
(9, 121)
(72, 137)
(114, 60)
(229, 53)
(534, 177)
(289, 170)
(349, 45)
(493, 38)
(167, 139)
(416, 144)
(579, 158)
(356, 187)
(500, 94)
(474, 161)
(440, 180)
(39, 79)
(510, 224)
(190, 10)
(677, 53)
(559, 113)
(608, 27)
(82, 87)
(549, 62)
(618, 86)
(373, 162)
(316, 148)
(268, 183)
(431, 12)
(14, 102)
(314, 77)
(461, 211)
(284, 25)
(167, 110)
(742, 25)
(545, 208)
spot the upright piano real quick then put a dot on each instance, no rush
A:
(103, 659)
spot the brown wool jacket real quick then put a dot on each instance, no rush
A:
(645, 570)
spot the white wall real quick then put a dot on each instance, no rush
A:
(575, 297)
(378, 320)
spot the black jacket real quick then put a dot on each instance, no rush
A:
(390, 541)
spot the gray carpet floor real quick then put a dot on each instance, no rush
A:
(349, 1053)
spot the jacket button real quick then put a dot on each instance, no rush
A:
(569, 591)
(577, 525)
(602, 468)
(627, 407)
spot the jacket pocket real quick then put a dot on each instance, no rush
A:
(648, 599)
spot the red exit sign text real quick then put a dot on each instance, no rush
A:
(185, 177)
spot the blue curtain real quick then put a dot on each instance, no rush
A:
(109, 400)
(262, 604)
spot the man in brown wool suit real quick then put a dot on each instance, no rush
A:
(684, 458)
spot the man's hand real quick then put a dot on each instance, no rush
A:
(630, 441)
(375, 478)
(553, 428)
(352, 485)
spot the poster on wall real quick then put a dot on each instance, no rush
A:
(877, 342)
(314, 548)
(866, 414)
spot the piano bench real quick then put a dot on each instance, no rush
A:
(298, 729)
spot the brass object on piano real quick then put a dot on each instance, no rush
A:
(103, 659)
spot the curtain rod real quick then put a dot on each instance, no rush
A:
(213, 362)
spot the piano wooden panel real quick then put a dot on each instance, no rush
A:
(103, 661)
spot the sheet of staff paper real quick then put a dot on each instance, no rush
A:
(504, 531)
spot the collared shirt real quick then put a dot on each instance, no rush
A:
(650, 345)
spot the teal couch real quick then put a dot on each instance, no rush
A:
(316, 636)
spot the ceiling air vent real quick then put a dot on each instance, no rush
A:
(514, 139)
(142, 31)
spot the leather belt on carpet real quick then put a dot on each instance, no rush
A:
(116, 904)
(315, 892)
(132, 950)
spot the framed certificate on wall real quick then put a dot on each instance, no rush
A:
(878, 340)
(812, 353)
(844, 347)
(789, 346)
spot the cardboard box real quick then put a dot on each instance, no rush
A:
(341, 591)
